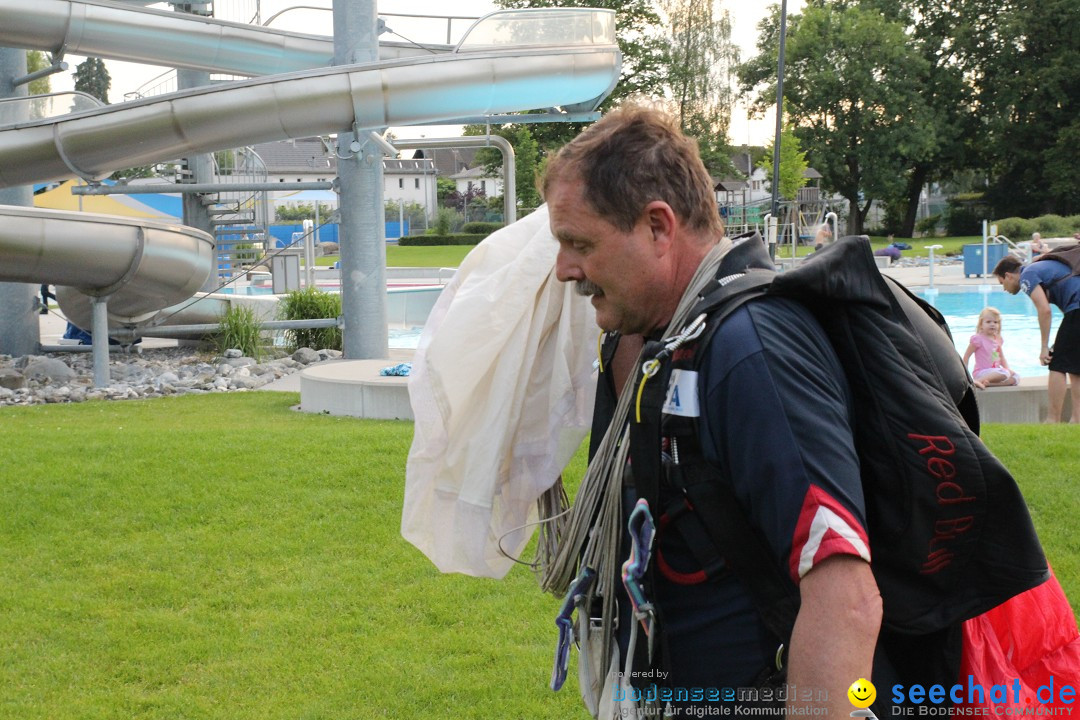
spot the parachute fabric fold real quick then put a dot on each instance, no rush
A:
(502, 389)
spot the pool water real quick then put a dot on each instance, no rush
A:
(960, 306)
(404, 338)
(1019, 322)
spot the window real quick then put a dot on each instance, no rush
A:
(416, 182)
(483, 186)
(401, 182)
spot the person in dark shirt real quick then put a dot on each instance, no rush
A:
(1049, 282)
(632, 209)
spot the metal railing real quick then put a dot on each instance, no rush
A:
(14, 111)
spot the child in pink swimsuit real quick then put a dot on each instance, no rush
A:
(991, 368)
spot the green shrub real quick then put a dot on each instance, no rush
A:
(928, 225)
(436, 239)
(239, 328)
(445, 220)
(1015, 228)
(311, 304)
(481, 228)
(1053, 226)
(1048, 226)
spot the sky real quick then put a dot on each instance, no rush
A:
(128, 77)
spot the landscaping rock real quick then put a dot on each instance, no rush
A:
(39, 379)
(46, 368)
(12, 379)
(305, 356)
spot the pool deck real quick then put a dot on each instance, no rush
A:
(354, 387)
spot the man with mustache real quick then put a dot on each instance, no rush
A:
(632, 208)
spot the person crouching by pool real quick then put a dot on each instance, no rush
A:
(1048, 281)
(991, 367)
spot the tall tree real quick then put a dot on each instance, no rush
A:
(92, 78)
(700, 64)
(952, 37)
(526, 158)
(37, 60)
(851, 88)
(1029, 103)
(792, 165)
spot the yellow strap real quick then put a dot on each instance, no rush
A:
(647, 371)
(600, 350)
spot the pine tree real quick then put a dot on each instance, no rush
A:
(92, 78)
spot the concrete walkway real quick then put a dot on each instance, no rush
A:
(944, 275)
(354, 388)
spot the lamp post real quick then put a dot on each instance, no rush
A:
(779, 110)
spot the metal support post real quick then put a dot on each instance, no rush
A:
(309, 249)
(362, 230)
(986, 250)
(19, 322)
(196, 213)
(509, 164)
(43, 72)
(99, 330)
(932, 248)
(310, 243)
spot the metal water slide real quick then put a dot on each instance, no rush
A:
(508, 61)
(140, 265)
(119, 31)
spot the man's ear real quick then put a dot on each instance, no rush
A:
(661, 219)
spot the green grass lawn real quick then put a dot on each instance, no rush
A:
(950, 246)
(223, 557)
(452, 255)
(415, 256)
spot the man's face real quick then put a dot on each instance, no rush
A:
(1010, 282)
(618, 269)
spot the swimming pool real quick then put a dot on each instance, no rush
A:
(1019, 322)
(960, 306)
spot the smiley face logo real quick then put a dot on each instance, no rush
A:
(862, 693)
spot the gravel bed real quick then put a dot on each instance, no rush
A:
(69, 377)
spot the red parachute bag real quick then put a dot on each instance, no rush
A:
(1029, 647)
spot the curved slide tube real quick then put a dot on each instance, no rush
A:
(118, 31)
(141, 265)
(431, 89)
(507, 62)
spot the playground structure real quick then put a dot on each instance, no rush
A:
(506, 62)
(797, 220)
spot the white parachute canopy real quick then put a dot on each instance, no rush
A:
(502, 390)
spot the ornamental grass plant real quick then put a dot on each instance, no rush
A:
(310, 304)
(240, 328)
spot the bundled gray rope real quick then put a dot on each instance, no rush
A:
(589, 535)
